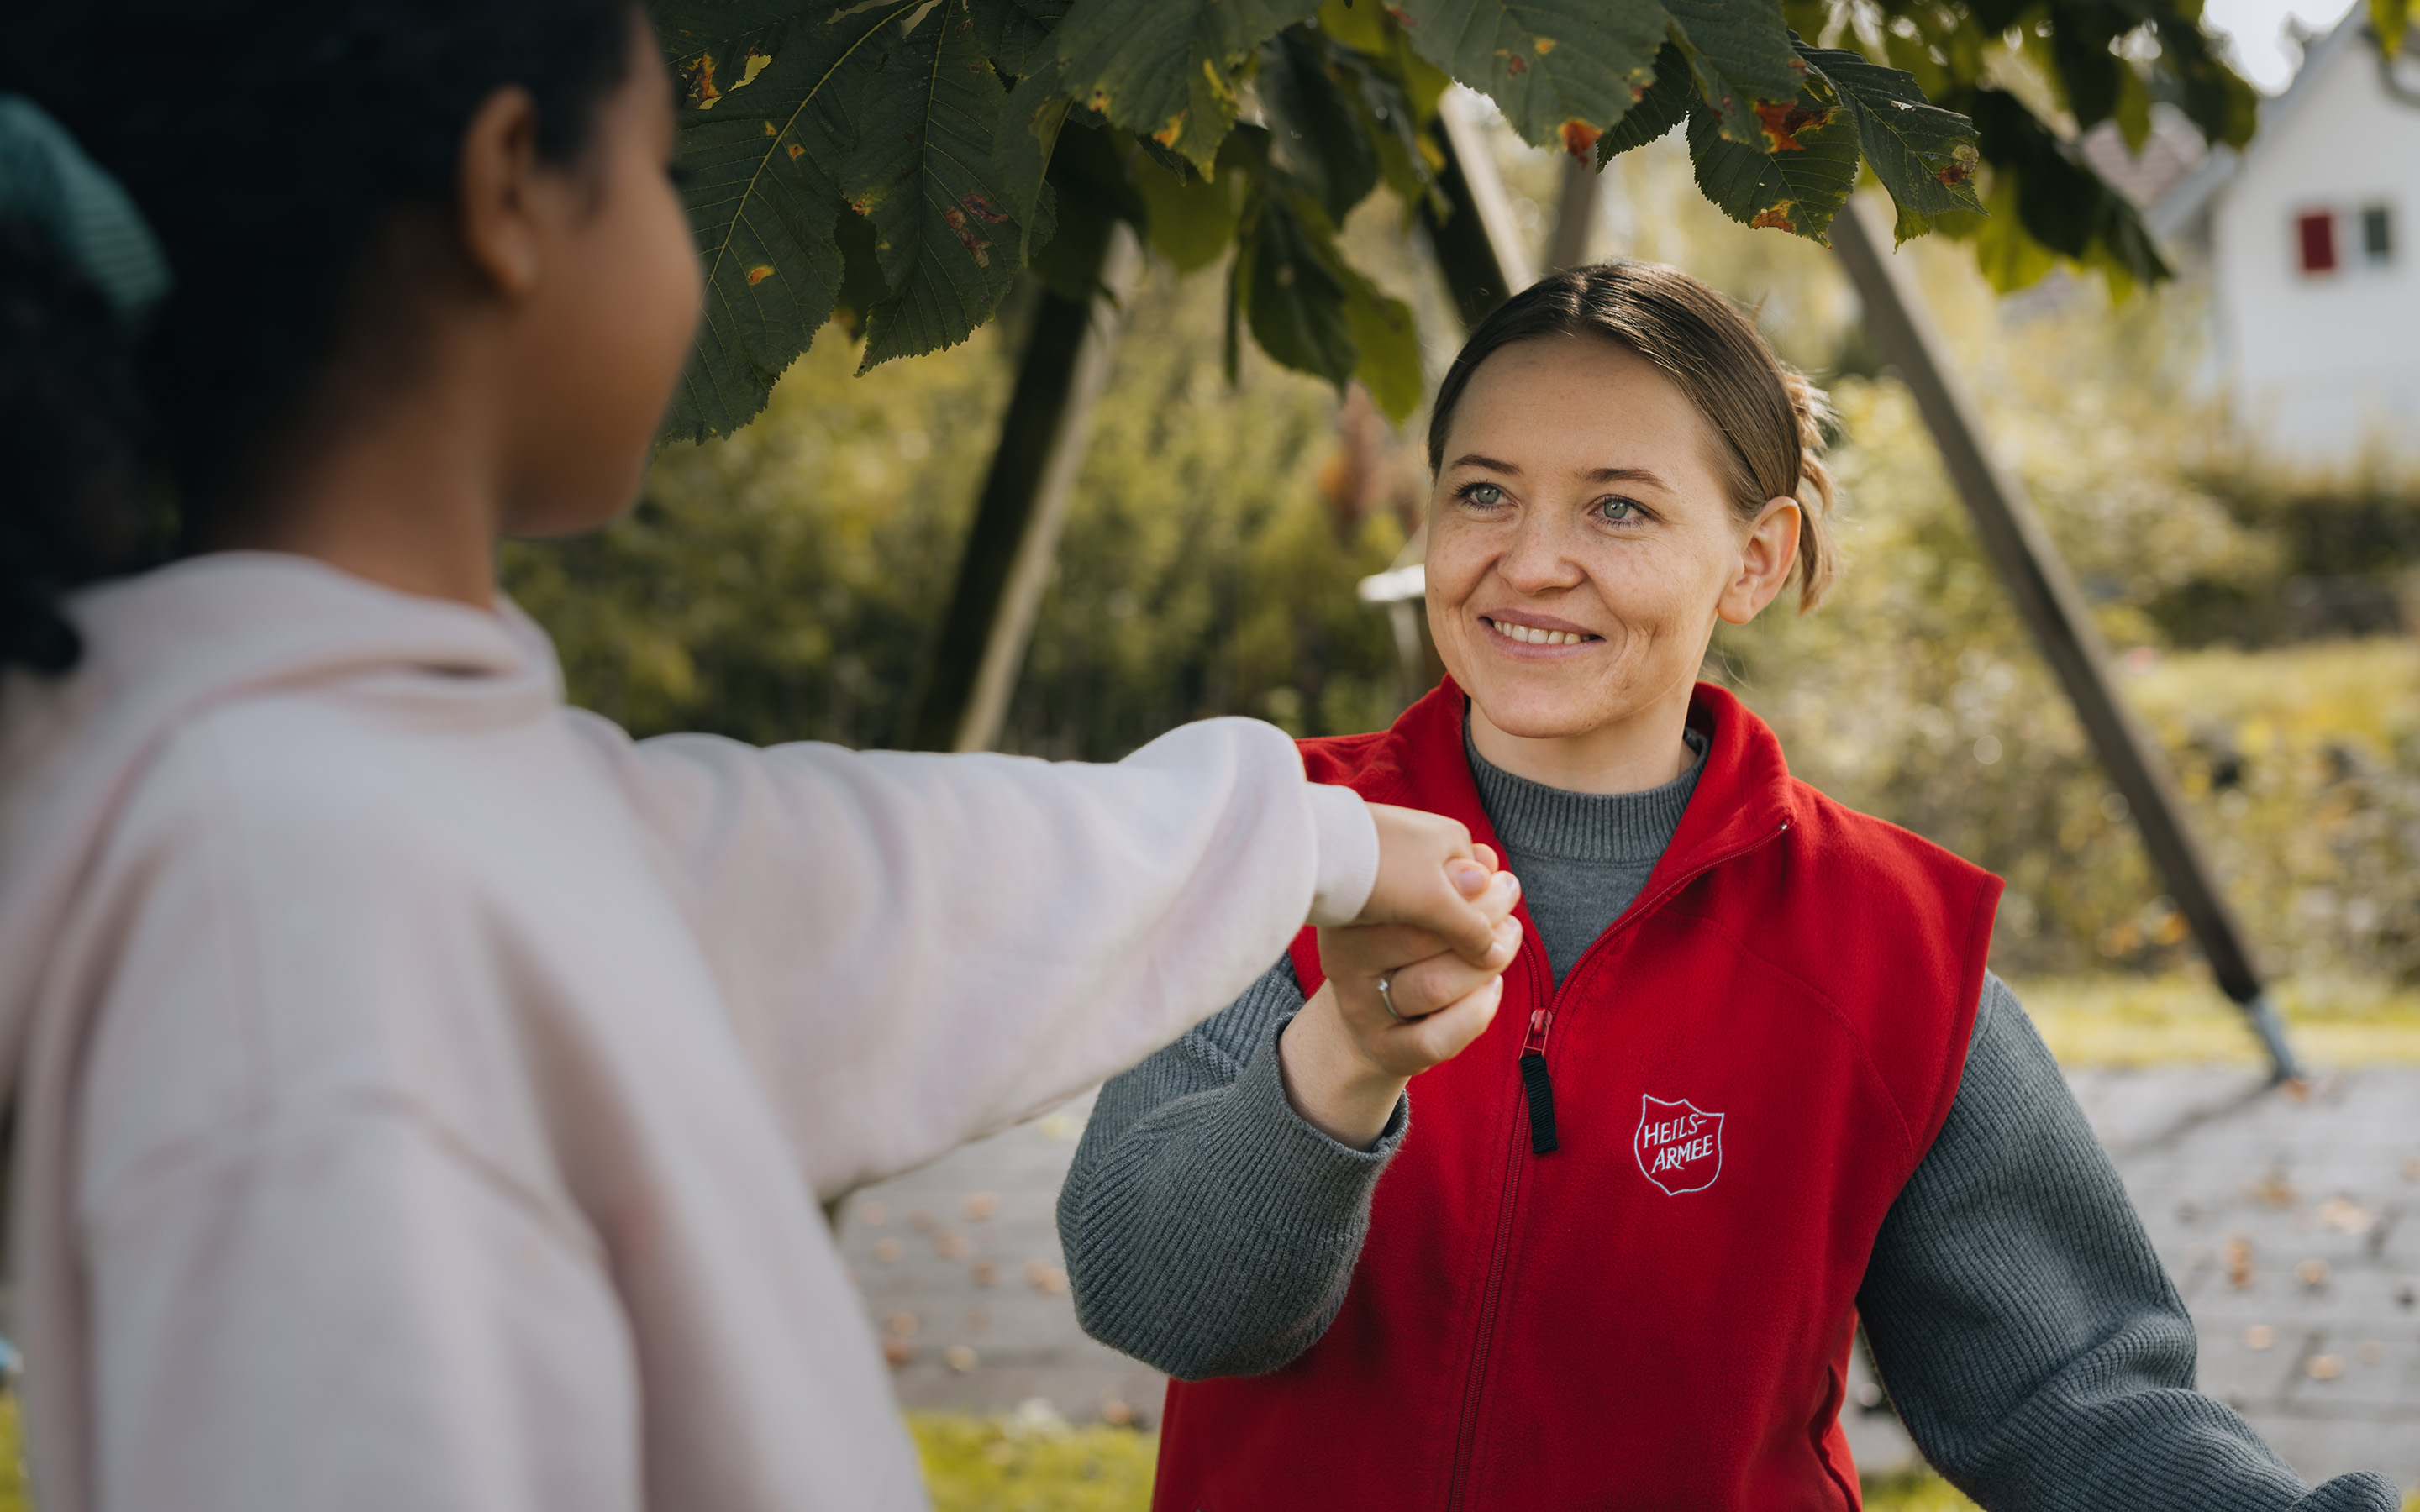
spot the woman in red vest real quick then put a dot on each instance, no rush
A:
(1749, 1080)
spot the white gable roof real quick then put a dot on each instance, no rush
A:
(2175, 213)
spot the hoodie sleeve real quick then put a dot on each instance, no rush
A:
(922, 949)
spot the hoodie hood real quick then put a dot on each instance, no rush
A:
(161, 647)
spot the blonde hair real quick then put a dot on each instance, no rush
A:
(1769, 416)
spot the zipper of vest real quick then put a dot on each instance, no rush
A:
(1537, 1085)
(1539, 1089)
(1473, 1389)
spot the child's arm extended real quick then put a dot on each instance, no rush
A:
(922, 949)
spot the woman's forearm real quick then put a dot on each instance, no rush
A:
(1209, 1230)
(1335, 1088)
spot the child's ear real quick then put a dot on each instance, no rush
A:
(497, 177)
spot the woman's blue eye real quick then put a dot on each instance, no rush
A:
(1484, 493)
(1616, 509)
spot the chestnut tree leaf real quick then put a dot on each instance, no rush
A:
(760, 159)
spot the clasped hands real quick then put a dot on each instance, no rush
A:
(1439, 929)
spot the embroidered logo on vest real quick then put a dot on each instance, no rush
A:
(1680, 1145)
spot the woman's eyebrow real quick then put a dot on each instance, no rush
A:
(1623, 475)
(1472, 459)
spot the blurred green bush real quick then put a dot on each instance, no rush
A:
(783, 584)
(1915, 694)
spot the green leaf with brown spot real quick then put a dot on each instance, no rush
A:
(1665, 105)
(1924, 155)
(1546, 63)
(1740, 54)
(762, 197)
(1797, 188)
(1166, 68)
(949, 230)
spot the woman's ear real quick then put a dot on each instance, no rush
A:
(1767, 552)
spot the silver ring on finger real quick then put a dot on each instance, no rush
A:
(1387, 998)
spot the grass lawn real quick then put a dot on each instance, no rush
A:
(1024, 1465)
(13, 1495)
(1012, 1464)
(1004, 1465)
(2120, 1020)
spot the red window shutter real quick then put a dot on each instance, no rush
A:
(2317, 233)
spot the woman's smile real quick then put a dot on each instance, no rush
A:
(1532, 637)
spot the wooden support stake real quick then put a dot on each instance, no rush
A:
(1477, 246)
(2037, 579)
(974, 666)
(1574, 213)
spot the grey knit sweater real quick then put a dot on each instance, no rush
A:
(2033, 1344)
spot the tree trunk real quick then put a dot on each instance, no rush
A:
(1478, 247)
(972, 672)
(1574, 213)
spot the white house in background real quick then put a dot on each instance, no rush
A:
(2311, 237)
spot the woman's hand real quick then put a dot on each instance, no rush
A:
(1431, 876)
(1345, 1059)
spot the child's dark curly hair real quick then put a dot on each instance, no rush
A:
(272, 144)
(71, 432)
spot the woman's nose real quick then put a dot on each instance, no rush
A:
(1539, 557)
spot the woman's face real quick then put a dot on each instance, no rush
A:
(1581, 542)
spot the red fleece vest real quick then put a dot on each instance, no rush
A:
(1746, 1068)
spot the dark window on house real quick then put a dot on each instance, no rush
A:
(2316, 235)
(2377, 235)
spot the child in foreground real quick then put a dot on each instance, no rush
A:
(421, 1092)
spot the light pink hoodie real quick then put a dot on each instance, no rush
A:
(424, 1092)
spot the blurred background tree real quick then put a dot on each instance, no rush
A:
(784, 584)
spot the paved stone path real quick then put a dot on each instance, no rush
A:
(960, 1264)
(2291, 1220)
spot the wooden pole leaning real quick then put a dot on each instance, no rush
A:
(1574, 212)
(2037, 579)
(964, 695)
(1477, 245)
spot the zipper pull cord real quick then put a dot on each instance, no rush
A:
(1540, 1086)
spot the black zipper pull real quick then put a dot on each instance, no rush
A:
(1540, 1086)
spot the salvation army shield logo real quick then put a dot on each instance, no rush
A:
(1680, 1144)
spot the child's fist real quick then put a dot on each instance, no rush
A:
(1432, 877)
